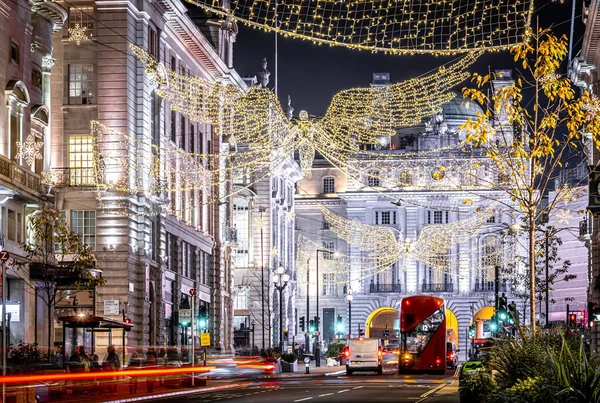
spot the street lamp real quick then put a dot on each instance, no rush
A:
(280, 281)
(349, 297)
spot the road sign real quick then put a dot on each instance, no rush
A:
(4, 255)
(306, 360)
(111, 307)
(204, 339)
(185, 316)
(193, 292)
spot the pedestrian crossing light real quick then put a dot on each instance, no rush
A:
(472, 331)
(340, 324)
(311, 326)
(302, 323)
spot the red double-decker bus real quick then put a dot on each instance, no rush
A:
(422, 335)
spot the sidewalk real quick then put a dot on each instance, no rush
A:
(447, 393)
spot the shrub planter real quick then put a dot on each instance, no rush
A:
(289, 367)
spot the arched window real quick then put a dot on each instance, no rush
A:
(373, 179)
(329, 184)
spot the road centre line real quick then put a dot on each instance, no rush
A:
(343, 390)
(301, 400)
(358, 387)
(326, 394)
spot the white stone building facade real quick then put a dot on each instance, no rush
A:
(424, 198)
(152, 247)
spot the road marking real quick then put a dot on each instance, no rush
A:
(301, 400)
(343, 390)
(326, 394)
(358, 387)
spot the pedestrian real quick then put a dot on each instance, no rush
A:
(112, 363)
(134, 364)
(150, 363)
(95, 367)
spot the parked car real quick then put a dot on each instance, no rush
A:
(451, 355)
(363, 355)
(471, 367)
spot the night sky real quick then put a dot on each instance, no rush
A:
(312, 74)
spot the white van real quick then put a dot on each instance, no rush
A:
(363, 355)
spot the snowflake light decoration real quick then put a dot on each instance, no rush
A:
(564, 216)
(77, 34)
(30, 150)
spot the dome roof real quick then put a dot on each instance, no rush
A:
(457, 109)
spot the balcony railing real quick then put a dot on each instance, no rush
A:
(385, 287)
(22, 177)
(73, 177)
(488, 286)
(437, 287)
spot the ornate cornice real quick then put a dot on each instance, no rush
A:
(51, 11)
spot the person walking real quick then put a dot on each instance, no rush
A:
(150, 363)
(112, 363)
(135, 363)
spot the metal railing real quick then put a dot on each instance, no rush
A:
(65, 177)
(488, 286)
(385, 287)
(437, 287)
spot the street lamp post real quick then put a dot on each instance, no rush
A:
(280, 281)
(349, 297)
(261, 210)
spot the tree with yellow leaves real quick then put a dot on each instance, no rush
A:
(529, 129)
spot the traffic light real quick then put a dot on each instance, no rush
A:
(311, 326)
(339, 324)
(472, 331)
(494, 324)
(202, 318)
(386, 332)
(502, 308)
(572, 319)
(302, 323)
(127, 321)
(317, 321)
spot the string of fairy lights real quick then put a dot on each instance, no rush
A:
(393, 27)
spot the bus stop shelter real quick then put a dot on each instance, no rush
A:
(93, 324)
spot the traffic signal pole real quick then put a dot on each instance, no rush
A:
(306, 323)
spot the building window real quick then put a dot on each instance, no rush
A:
(328, 284)
(241, 299)
(155, 241)
(81, 162)
(437, 217)
(326, 224)
(154, 119)
(83, 223)
(329, 246)
(192, 139)
(491, 220)
(489, 259)
(81, 81)
(406, 178)
(373, 179)
(15, 53)
(84, 17)
(329, 184)
(385, 218)
(173, 126)
(153, 42)
(182, 132)
(241, 219)
(12, 225)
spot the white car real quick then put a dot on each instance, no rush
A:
(363, 355)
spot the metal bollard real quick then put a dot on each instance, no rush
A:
(307, 368)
